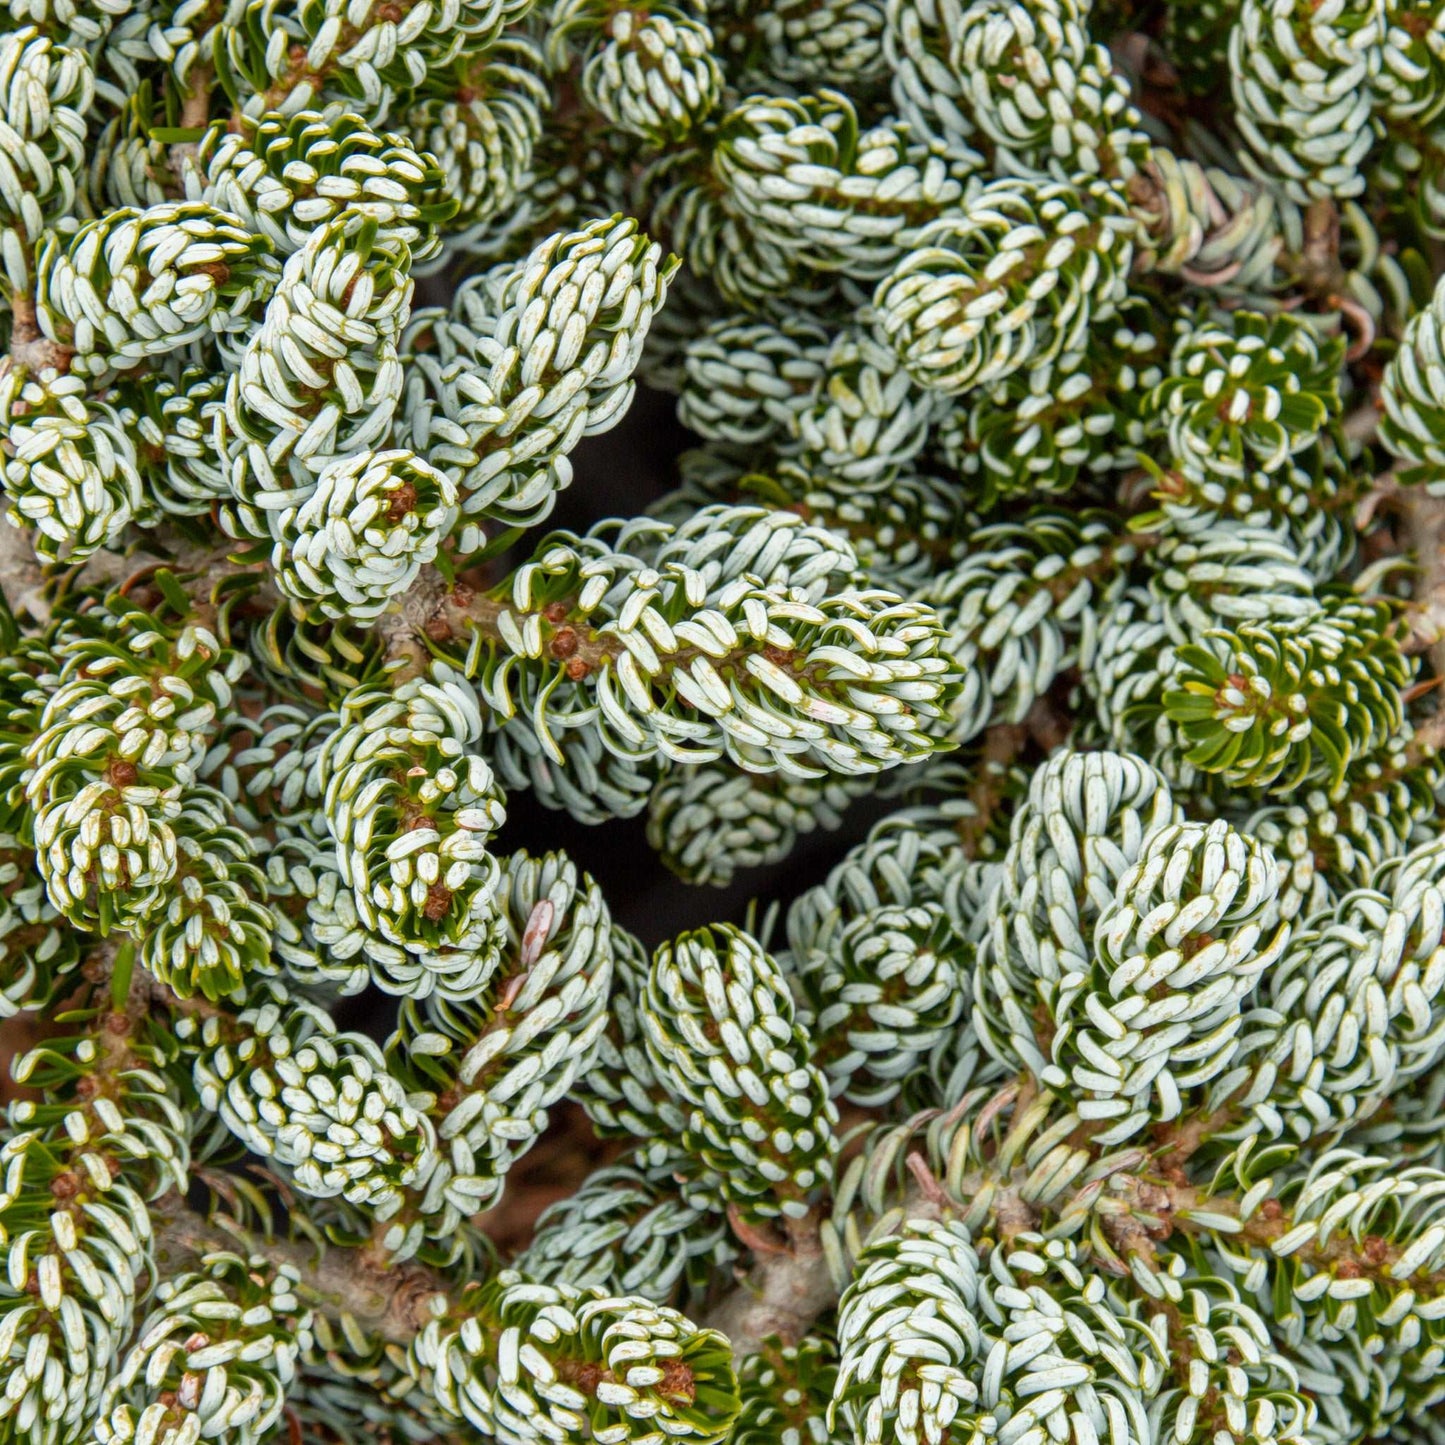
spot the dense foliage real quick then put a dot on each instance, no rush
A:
(1068, 389)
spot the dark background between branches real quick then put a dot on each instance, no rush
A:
(620, 474)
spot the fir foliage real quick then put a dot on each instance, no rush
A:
(1062, 516)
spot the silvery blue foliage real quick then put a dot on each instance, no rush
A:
(1059, 518)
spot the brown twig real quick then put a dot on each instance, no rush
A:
(761, 1241)
(1424, 518)
(1048, 725)
(1362, 424)
(927, 1181)
(29, 348)
(783, 1294)
(393, 1302)
(1001, 745)
(1318, 264)
(1428, 738)
(195, 115)
(1380, 497)
(23, 577)
(196, 108)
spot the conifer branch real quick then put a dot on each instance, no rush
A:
(393, 1302)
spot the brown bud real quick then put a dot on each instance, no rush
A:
(121, 773)
(403, 502)
(65, 1186)
(586, 1376)
(677, 1382)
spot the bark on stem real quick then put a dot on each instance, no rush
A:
(1425, 527)
(195, 115)
(393, 1302)
(783, 1295)
(22, 576)
(30, 349)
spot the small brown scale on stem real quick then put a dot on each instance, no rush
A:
(121, 773)
(438, 901)
(403, 502)
(584, 1375)
(678, 1382)
(1195, 943)
(65, 1186)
